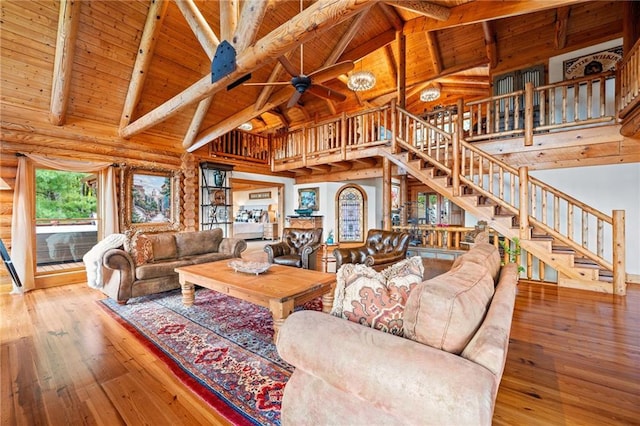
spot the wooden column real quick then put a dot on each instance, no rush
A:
(524, 202)
(457, 135)
(402, 69)
(619, 261)
(394, 127)
(403, 199)
(386, 194)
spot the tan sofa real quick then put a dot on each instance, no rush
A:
(445, 370)
(125, 275)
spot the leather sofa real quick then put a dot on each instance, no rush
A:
(299, 248)
(380, 250)
(131, 273)
(432, 375)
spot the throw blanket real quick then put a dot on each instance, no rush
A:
(93, 258)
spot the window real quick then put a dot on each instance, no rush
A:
(516, 80)
(66, 217)
(351, 211)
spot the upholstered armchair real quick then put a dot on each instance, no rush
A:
(380, 250)
(299, 248)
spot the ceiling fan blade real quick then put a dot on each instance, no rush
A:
(294, 99)
(332, 71)
(326, 93)
(288, 66)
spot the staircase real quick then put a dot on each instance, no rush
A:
(558, 230)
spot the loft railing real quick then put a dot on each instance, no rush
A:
(628, 80)
(559, 106)
(242, 146)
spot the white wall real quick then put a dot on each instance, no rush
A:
(326, 197)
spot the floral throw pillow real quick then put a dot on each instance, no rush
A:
(139, 247)
(376, 299)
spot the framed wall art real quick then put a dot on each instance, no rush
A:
(259, 195)
(150, 199)
(308, 198)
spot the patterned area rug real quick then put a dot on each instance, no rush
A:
(221, 347)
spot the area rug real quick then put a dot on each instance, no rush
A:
(221, 347)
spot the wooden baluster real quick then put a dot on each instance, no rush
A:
(564, 104)
(589, 98)
(576, 103)
(585, 228)
(542, 95)
(570, 216)
(600, 238)
(556, 213)
(529, 265)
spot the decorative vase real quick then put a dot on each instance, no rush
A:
(218, 178)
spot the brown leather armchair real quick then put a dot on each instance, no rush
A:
(380, 250)
(298, 248)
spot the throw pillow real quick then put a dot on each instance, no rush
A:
(139, 246)
(446, 311)
(376, 299)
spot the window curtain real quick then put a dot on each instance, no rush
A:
(22, 228)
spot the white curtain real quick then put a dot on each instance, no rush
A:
(22, 228)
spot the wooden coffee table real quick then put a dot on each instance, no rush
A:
(280, 289)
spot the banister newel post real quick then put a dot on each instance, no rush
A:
(619, 265)
(455, 147)
(523, 178)
(394, 127)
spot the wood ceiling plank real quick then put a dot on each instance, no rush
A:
(392, 16)
(368, 47)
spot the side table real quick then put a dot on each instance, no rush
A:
(326, 257)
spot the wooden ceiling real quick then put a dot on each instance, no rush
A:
(143, 67)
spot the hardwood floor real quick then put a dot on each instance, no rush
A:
(574, 358)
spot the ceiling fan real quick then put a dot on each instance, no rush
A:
(310, 82)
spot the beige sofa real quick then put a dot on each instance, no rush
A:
(445, 370)
(150, 268)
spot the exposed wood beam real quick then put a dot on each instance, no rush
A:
(490, 43)
(277, 112)
(430, 10)
(562, 22)
(342, 44)
(201, 29)
(473, 13)
(209, 42)
(307, 116)
(465, 80)
(229, 10)
(250, 19)
(391, 61)
(392, 16)
(196, 121)
(434, 51)
(367, 161)
(342, 165)
(323, 168)
(313, 21)
(368, 47)
(402, 69)
(150, 33)
(68, 19)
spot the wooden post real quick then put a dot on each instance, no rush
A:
(394, 127)
(386, 194)
(528, 114)
(523, 173)
(455, 172)
(403, 200)
(619, 265)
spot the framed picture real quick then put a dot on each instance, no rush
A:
(150, 199)
(308, 198)
(594, 63)
(259, 195)
(395, 197)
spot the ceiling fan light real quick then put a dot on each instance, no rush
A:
(361, 81)
(430, 94)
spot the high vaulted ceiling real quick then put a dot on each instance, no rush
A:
(144, 66)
